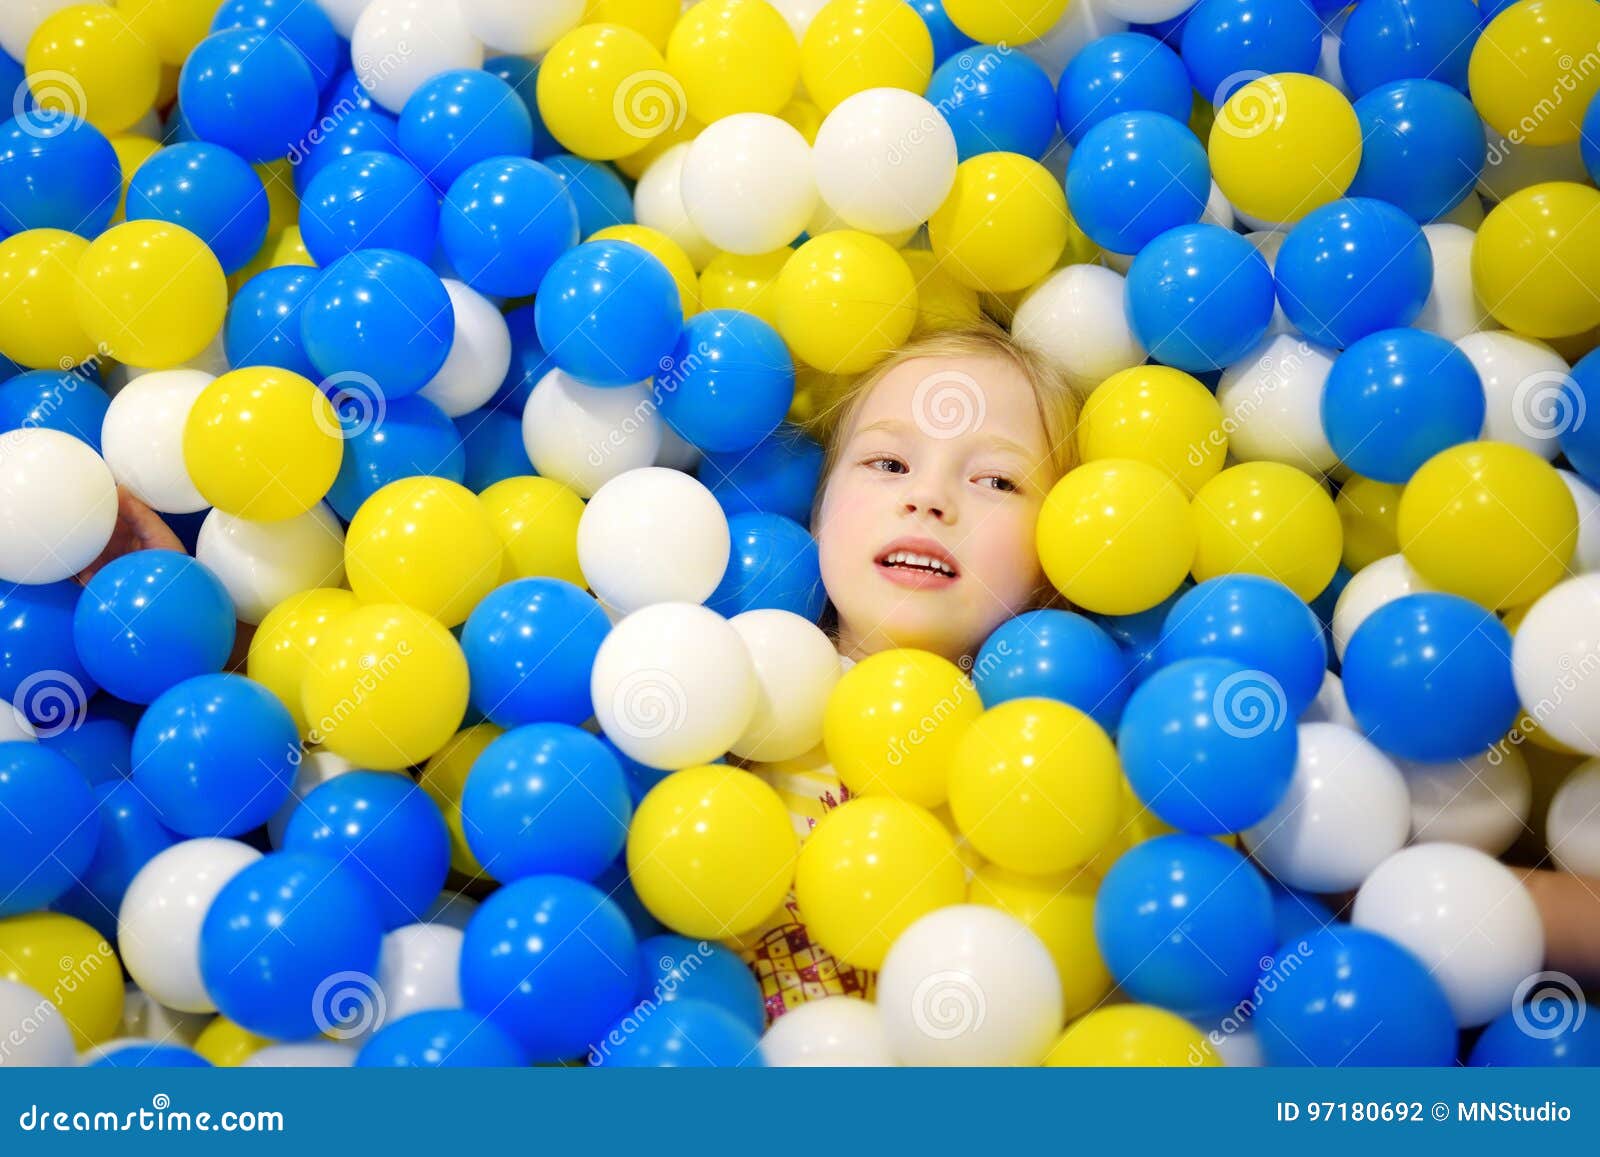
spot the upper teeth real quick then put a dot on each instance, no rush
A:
(907, 558)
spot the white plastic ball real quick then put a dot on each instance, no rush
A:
(796, 669)
(1077, 318)
(398, 44)
(1146, 11)
(1452, 310)
(653, 536)
(1375, 585)
(584, 436)
(1345, 812)
(450, 910)
(1271, 403)
(316, 768)
(519, 27)
(673, 686)
(675, 452)
(262, 563)
(1586, 556)
(969, 985)
(480, 354)
(144, 1016)
(1239, 1049)
(20, 19)
(344, 14)
(1469, 214)
(1083, 21)
(1572, 826)
(58, 505)
(1267, 242)
(34, 1032)
(142, 439)
(748, 185)
(658, 204)
(313, 1054)
(419, 968)
(1481, 802)
(1525, 385)
(1330, 705)
(1555, 656)
(885, 160)
(1328, 66)
(1218, 210)
(1466, 916)
(14, 726)
(834, 1032)
(158, 925)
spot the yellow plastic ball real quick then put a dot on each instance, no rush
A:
(734, 56)
(869, 870)
(536, 520)
(1011, 21)
(151, 294)
(1269, 519)
(853, 45)
(281, 647)
(283, 203)
(1522, 76)
(1536, 260)
(711, 851)
(805, 117)
(69, 964)
(89, 62)
(1369, 511)
(1132, 1036)
(1488, 521)
(131, 153)
(262, 443)
(1004, 224)
(1116, 536)
(845, 299)
(445, 778)
(604, 92)
(39, 325)
(894, 722)
(1035, 786)
(290, 249)
(744, 282)
(386, 687)
(665, 250)
(171, 27)
(1284, 145)
(425, 542)
(653, 19)
(1059, 910)
(226, 1045)
(942, 301)
(1158, 415)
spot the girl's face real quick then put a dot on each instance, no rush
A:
(926, 530)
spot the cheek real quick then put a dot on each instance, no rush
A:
(841, 530)
(1003, 552)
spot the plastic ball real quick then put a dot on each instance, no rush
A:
(851, 46)
(1015, 23)
(711, 851)
(360, 130)
(1077, 316)
(674, 968)
(773, 564)
(1268, 519)
(281, 646)
(1283, 145)
(604, 92)
(993, 101)
(1131, 1035)
(40, 673)
(39, 276)
(649, 514)
(679, 1034)
(69, 965)
(537, 520)
(1398, 39)
(1554, 640)
(380, 320)
(1353, 268)
(1116, 536)
(87, 60)
(440, 1038)
(368, 200)
(1134, 176)
(58, 506)
(1479, 493)
(843, 300)
(44, 1040)
(397, 45)
(733, 57)
(602, 198)
(150, 294)
(479, 358)
(1422, 146)
(1452, 310)
(884, 160)
(1368, 511)
(835, 1031)
(263, 327)
(70, 402)
(869, 870)
(530, 648)
(1380, 582)
(779, 475)
(1199, 297)
(504, 223)
(209, 191)
(1429, 677)
(730, 382)
(1183, 923)
(1546, 1031)
(1004, 224)
(583, 436)
(1481, 802)
(456, 119)
(1534, 264)
(1523, 59)
(52, 825)
(56, 172)
(1226, 43)
(796, 671)
(1531, 401)
(389, 440)
(933, 990)
(1054, 654)
(1121, 73)
(249, 93)
(608, 313)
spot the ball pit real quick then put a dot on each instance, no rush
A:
(413, 424)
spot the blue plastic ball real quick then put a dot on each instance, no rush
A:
(1422, 147)
(386, 830)
(287, 942)
(1553, 1029)
(1135, 176)
(523, 77)
(1121, 73)
(683, 1034)
(1228, 43)
(1428, 677)
(131, 834)
(402, 438)
(56, 172)
(995, 100)
(503, 224)
(947, 38)
(530, 647)
(303, 25)
(602, 198)
(1354, 998)
(608, 313)
(209, 191)
(1199, 297)
(441, 1038)
(578, 943)
(65, 400)
(456, 119)
(1054, 654)
(774, 565)
(1295, 915)
(1258, 623)
(1351, 268)
(369, 200)
(529, 362)
(1580, 440)
(1139, 634)
(142, 1055)
(493, 443)
(1396, 398)
(250, 93)
(149, 620)
(1183, 922)
(349, 122)
(730, 382)
(381, 317)
(546, 799)
(617, 885)
(100, 745)
(263, 326)
(1385, 40)
(677, 968)
(1589, 139)
(779, 475)
(49, 826)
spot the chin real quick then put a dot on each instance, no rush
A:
(928, 632)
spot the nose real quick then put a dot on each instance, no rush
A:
(933, 505)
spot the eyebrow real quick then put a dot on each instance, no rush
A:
(901, 427)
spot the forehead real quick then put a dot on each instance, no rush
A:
(981, 394)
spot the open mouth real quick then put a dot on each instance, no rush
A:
(918, 563)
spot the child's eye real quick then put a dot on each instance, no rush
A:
(886, 464)
(998, 482)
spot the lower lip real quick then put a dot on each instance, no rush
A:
(916, 580)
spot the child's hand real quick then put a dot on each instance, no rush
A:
(138, 528)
